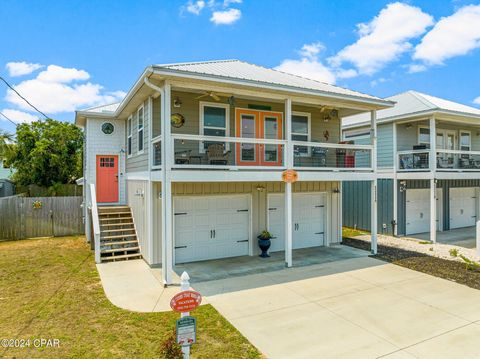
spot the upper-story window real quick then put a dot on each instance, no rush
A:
(214, 121)
(423, 136)
(465, 141)
(129, 136)
(140, 121)
(301, 131)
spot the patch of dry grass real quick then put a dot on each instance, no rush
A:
(351, 232)
(50, 288)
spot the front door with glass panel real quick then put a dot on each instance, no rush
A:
(258, 124)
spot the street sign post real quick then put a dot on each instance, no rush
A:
(186, 331)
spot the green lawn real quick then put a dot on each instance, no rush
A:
(50, 288)
(350, 232)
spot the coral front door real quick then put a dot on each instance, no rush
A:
(258, 124)
(107, 178)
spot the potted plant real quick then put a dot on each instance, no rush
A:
(264, 242)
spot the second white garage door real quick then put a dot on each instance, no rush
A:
(210, 227)
(309, 211)
(418, 210)
(463, 203)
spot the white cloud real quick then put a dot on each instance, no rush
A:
(226, 17)
(477, 100)
(21, 68)
(452, 36)
(346, 73)
(384, 38)
(414, 68)
(377, 81)
(195, 7)
(227, 3)
(308, 65)
(59, 74)
(18, 116)
(59, 89)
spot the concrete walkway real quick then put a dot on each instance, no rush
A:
(133, 285)
(350, 308)
(354, 308)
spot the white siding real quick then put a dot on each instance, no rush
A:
(136, 199)
(98, 143)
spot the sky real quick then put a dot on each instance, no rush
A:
(64, 56)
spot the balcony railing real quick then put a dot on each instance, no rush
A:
(414, 160)
(331, 156)
(196, 151)
(448, 160)
(212, 152)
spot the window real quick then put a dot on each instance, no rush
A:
(423, 135)
(214, 120)
(140, 129)
(129, 136)
(465, 141)
(301, 131)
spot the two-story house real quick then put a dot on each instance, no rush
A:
(428, 166)
(189, 166)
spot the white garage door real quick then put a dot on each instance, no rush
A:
(211, 227)
(309, 210)
(463, 203)
(418, 210)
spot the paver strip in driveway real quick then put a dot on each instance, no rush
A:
(354, 308)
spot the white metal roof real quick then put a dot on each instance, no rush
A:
(411, 103)
(103, 108)
(240, 70)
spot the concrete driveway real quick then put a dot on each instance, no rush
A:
(352, 308)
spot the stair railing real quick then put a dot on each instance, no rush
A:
(95, 222)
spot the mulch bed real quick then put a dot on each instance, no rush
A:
(438, 267)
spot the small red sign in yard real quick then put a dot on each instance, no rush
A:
(186, 301)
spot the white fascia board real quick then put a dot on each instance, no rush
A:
(457, 175)
(379, 104)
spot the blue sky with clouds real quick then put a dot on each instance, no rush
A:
(67, 55)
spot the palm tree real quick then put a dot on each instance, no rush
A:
(6, 140)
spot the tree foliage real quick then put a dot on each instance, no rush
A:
(47, 153)
(6, 144)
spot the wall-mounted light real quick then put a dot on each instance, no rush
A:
(403, 186)
(336, 190)
(177, 102)
(326, 118)
(260, 188)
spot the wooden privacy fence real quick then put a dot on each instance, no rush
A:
(28, 217)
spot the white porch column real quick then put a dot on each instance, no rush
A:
(288, 186)
(167, 230)
(432, 158)
(477, 247)
(373, 138)
(433, 211)
(395, 205)
(373, 215)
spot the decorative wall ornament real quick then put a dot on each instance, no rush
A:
(177, 120)
(37, 205)
(326, 134)
(108, 128)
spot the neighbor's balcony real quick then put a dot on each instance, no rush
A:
(446, 160)
(234, 153)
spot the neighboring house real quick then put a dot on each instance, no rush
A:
(7, 188)
(428, 161)
(197, 151)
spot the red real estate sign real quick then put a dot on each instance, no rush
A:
(186, 301)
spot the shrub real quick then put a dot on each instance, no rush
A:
(469, 264)
(170, 348)
(453, 252)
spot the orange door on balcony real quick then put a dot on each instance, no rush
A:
(259, 125)
(107, 178)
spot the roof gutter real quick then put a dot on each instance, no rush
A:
(377, 102)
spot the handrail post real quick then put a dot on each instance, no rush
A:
(95, 223)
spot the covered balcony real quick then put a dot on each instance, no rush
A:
(220, 131)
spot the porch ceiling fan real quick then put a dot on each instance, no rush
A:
(209, 94)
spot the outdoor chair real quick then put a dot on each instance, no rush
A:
(182, 157)
(216, 154)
